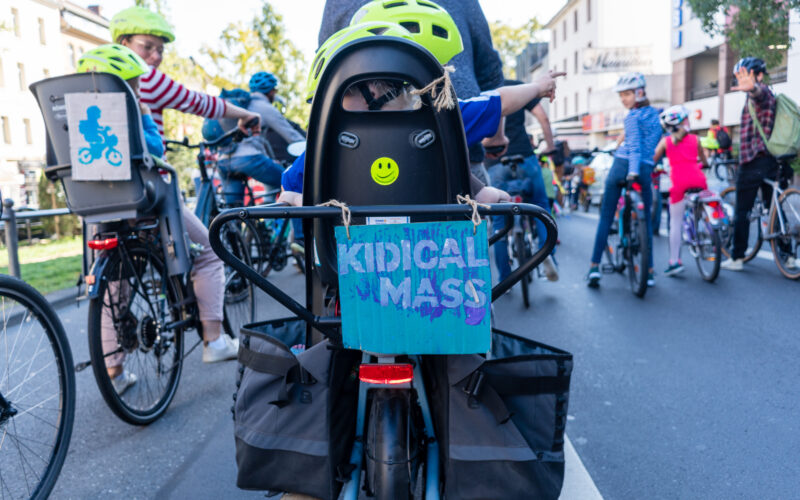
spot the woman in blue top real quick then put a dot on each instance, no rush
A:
(633, 160)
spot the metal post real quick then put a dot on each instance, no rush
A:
(11, 237)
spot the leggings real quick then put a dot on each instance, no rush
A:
(675, 228)
(208, 278)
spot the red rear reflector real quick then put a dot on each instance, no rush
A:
(106, 244)
(90, 279)
(517, 199)
(637, 187)
(386, 374)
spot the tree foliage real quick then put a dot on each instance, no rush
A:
(758, 28)
(510, 42)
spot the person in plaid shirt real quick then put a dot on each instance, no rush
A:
(756, 163)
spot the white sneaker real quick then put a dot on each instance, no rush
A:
(791, 263)
(123, 381)
(733, 264)
(550, 269)
(230, 351)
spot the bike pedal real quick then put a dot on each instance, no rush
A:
(608, 269)
(82, 366)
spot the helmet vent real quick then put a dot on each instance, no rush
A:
(440, 32)
(426, 4)
(379, 30)
(319, 67)
(411, 26)
(394, 4)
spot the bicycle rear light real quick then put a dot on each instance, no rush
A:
(716, 210)
(386, 374)
(516, 199)
(106, 244)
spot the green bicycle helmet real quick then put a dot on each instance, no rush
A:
(115, 59)
(343, 37)
(430, 25)
(139, 21)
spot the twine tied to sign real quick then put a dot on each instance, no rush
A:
(345, 213)
(476, 217)
(444, 97)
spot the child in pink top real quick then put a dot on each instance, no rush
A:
(683, 150)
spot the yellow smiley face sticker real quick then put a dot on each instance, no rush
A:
(384, 171)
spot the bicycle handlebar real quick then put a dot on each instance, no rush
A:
(235, 134)
(328, 325)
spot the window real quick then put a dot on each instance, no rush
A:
(588, 98)
(588, 11)
(575, 63)
(575, 20)
(72, 55)
(555, 38)
(41, 31)
(564, 30)
(565, 68)
(576, 103)
(21, 71)
(15, 21)
(28, 137)
(6, 130)
(565, 107)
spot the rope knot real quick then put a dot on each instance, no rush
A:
(345, 213)
(444, 97)
(476, 218)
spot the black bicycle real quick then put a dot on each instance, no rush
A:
(37, 392)
(628, 245)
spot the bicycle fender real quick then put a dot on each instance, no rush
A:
(98, 267)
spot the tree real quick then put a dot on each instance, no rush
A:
(758, 28)
(510, 42)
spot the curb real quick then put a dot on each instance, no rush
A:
(60, 298)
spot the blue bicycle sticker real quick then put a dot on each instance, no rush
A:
(98, 136)
(420, 288)
(100, 139)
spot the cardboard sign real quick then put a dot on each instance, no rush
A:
(98, 136)
(421, 288)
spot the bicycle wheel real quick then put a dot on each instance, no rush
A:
(522, 252)
(754, 235)
(239, 304)
(135, 293)
(390, 446)
(786, 246)
(707, 247)
(613, 252)
(37, 392)
(637, 253)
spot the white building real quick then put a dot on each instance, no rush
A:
(594, 42)
(42, 39)
(703, 71)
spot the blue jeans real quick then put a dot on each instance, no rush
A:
(534, 193)
(260, 167)
(617, 174)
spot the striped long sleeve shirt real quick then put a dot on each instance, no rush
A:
(642, 133)
(161, 92)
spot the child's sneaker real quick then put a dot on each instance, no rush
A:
(594, 276)
(674, 269)
(123, 382)
(651, 279)
(229, 350)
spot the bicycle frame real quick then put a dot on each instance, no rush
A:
(776, 194)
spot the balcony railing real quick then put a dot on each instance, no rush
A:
(702, 93)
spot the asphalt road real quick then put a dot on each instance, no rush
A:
(689, 393)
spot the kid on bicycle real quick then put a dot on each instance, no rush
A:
(683, 150)
(633, 160)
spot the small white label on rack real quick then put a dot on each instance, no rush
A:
(398, 219)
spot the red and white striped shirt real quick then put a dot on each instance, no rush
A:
(161, 92)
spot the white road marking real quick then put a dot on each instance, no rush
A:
(578, 484)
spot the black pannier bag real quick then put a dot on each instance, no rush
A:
(294, 415)
(500, 419)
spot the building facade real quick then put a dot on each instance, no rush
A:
(39, 39)
(594, 42)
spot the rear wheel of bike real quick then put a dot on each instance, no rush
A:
(239, 303)
(135, 294)
(786, 247)
(523, 252)
(707, 249)
(37, 392)
(390, 447)
(754, 236)
(637, 253)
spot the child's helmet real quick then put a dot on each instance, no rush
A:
(429, 24)
(343, 37)
(263, 82)
(672, 117)
(115, 59)
(753, 64)
(139, 21)
(630, 81)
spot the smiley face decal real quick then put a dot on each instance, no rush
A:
(384, 171)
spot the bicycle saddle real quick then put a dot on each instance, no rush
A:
(516, 159)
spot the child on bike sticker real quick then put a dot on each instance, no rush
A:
(98, 136)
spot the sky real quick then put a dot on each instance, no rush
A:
(196, 22)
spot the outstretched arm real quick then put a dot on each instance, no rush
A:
(660, 149)
(544, 122)
(515, 97)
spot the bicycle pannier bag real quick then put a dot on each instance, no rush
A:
(500, 419)
(294, 415)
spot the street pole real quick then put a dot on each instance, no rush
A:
(11, 238)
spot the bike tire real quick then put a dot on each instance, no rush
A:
(134, 271)
(755, 238)
(708, 255)
(239, 303)
(388, 453)
(787, 245)
(637, 253)
(23, 431)
(523, 254)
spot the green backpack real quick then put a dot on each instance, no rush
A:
(785, 137)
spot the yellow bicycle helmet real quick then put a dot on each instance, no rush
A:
(343, 37)
(115, 59)
(139, 21)
(429, 24)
